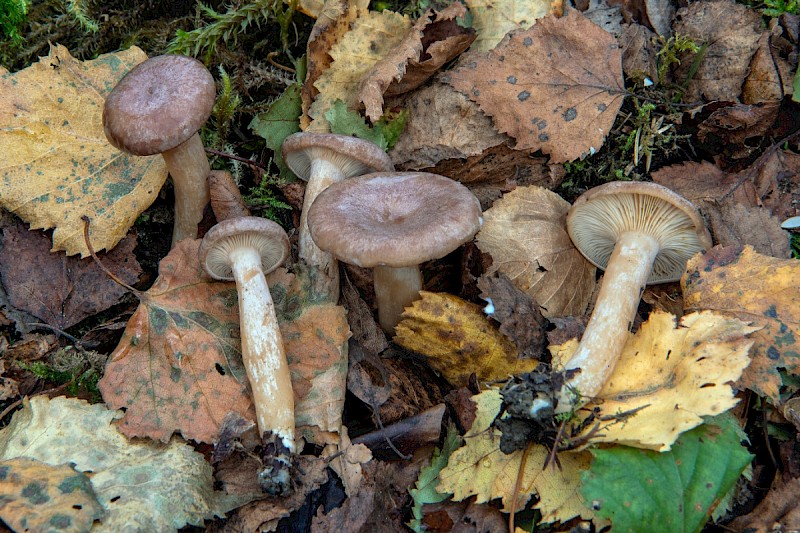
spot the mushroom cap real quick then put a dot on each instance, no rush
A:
(396, 219)
(265, 235)
(159, 104)
(352, 155)
(600, 215)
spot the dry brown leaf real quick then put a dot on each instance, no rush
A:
(673, 375)
(734, 129)
(779, 511)
(61, 290)
(57, 164)
(556, 87)
(639, 52)
(769, 75)
(493, 19)
(9, 388)
(432, 41)
(525, 233)
(756, 288)
(458, 340)
(732, 31)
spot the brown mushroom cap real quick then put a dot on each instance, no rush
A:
(396, 219)
(602, 214)
(158, 105)
(265, 235)
(352, 155)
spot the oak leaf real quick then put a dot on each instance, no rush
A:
(525, 233)
(57, 164)
(458, 340)
(757, 288)
(556, 87)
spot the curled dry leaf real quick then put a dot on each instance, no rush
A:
(556, 87)
(433, 40)
(525, 233)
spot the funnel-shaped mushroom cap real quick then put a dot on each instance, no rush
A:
(232, 234)
(602, 214)
(158, 105)
(352, 155)
(396, 219)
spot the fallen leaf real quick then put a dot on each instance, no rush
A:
(9, 388)
(642, 490)
(349, 462)
(458, 340)
(424, 490)
(670, 376)
(779, 510)
(280, 120)
(38, 497)
(371, 36)
(639, 60)
(769, 75)
(731, 31)
(493, 19)
(734, 129)
(61, 290)
(141, 485)
(57, 164)
(556, 87)
(433, 40)
(480, 469)
(759, 289)
(525, 233)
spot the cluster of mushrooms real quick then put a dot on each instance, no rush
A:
(358, 210)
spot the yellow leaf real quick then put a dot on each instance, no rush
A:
(492, 19)
(57, 164)
(676, 375)
(370, 39)
(525, 233)
(458, 340)
(479, 468)
(756, 287)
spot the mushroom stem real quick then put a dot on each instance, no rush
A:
(607, 331)
(262, 349)
(395, 289)
(188, 165)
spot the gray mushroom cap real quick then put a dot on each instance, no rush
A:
(396, 219)
(602, 214)
(265, 235)
(159, 104)
(352, 155)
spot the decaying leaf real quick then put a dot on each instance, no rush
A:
(525, 233)
(493, 19)
(458, 340)
(779, 511)
(756, 288)
(42, 497)
(556, 87)
(61, 290)
(57, 164)
(768, 76)
(142, 486)
(433, 40)
(670, 377)
(479, 468)
(370, 38)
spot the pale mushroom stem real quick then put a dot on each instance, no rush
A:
(188, 165)
(323, 173)
(608, 329)
(262, 349)
(395, 289)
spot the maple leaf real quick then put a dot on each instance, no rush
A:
(757, 288)
(556, 87)
(458, 340)
(525, 233)
(57, 164)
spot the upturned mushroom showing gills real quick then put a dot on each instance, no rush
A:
(244, 250)
(322, 159)
(639, 233)
(157, 108)
(393, 221)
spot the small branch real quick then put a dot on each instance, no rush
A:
(244, 160)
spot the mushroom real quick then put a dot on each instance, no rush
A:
(157, 108)
(244, 250)
(393, 221)
(322, 159)
(639, 233)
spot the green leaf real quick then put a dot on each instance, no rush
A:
(278, 122)
(675, 491)
(346, 122)
(391, 126)
(424, 490)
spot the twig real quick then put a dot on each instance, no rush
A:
(244, 160)
(517, 485)
(275, 64)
